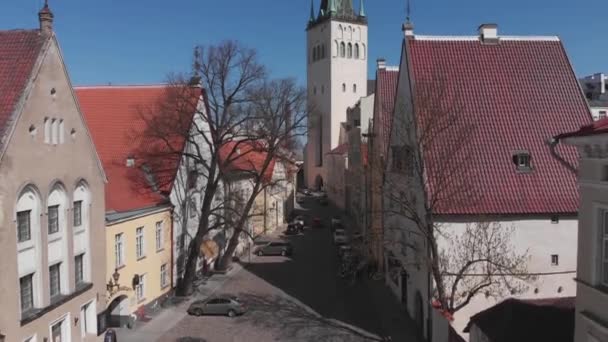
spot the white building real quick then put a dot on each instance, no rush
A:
(469, 147)
(337, 78)
(592, 277)
(595, 88)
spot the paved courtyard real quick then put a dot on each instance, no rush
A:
(298, 298)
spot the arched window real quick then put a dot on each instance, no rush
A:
(350, 50)
(337, 49)
(362, 51)
(356, 51)
(315, 54)
(312, 55)
(344, 87)
(340, 32)
(342, 49)
(354, 88)
(350, 33)
(57, 224)
(314, 90)
(27, 228)
(322, 51)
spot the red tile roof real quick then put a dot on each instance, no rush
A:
(19, 50)
(113, 114)
(386, 88)
(516, 95)
(247, 157)
(597, 127)
(550, 319)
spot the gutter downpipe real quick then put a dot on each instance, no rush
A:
(552, 143)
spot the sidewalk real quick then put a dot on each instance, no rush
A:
(168, 317)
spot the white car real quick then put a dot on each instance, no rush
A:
(340, 237)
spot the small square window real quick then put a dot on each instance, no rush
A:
(522, 160)
(555, 219)
(554, 260)
(601, 114)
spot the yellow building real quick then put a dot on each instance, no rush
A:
(139, 225)
(138, 265)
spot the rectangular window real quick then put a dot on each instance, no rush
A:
(60, 131)
(119, 252)
(139, 242)
(47, 130)
(140, 289)
(601, 114)
(56, 332)
(55, 280)
(554, 260)
(164, 279)
(27, 292)
(23, 226)
(159, 235)
(77, 213)
(54, 131)
(79, 269)
(53, 219)
(88, 319)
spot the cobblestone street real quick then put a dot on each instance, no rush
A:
(300, 298)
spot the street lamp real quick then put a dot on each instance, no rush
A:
(112, 286)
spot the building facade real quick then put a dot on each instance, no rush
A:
(336, 78)
(437, 127)
(595, 88)
(591, 322)
(52, 191)
(138, 249)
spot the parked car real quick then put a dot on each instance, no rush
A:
(217, 305)
(317, 223)
(335, 220)
(299, 220)
(340, 237)
(344, 249)
(293, 229)
(276, 248)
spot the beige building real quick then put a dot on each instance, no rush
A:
(591, 322)
(52, 188)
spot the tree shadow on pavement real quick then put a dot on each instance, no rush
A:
(297, 323)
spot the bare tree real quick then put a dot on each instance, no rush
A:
(277, 116)
(429, 177)
(238, 118)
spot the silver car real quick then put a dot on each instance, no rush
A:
(217, 305)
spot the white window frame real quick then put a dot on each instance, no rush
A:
(140, 243)
(88, 319)
(140, 289)
(65, 328)
(160, 236)
(119, 250)
(164, 276)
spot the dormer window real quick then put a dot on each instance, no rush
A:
(522, 160)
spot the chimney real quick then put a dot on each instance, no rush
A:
(408, 29)
(488, 33)
(45, 16)
(381, 63)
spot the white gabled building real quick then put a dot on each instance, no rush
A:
(489, 161)
(337, 78)
(591, 322)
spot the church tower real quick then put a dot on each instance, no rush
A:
(337, 50)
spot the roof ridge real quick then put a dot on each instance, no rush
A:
(476, 38)
(19, 30)
(119, 86)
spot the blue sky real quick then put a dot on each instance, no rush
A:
(137, 41)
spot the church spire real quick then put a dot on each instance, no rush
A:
(312, 11)
(361, 9)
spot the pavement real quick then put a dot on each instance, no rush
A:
(298, 298)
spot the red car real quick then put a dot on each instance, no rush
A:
(316, 223)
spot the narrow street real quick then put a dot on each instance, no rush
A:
(300, 298)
